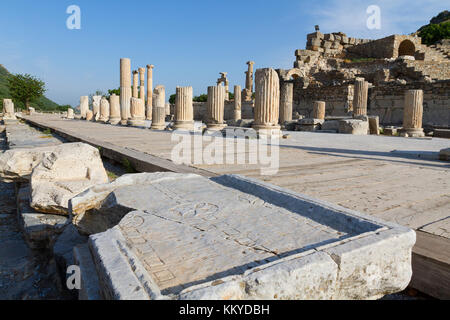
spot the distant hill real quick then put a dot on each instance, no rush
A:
(438, 29)
(42, 103)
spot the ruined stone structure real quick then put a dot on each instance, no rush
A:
(125, 89)
(149, 105)
(413, 113)
(8, 109)
(237, 103)
(248, 91)
(184, 111)
(267, 101)
(286, 101)
(159, 108)
(137, 111)
(360, 97)
(114, 103)
(84, 106)
(104, 110)
(223, 79)
(96, 107)
(215, 105)
(319, 110)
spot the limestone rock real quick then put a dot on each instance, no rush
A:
(17, 164)
(354, 126)
(69, 170)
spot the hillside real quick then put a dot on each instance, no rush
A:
(438, 29)
(42, 103)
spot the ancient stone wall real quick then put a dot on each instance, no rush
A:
(331, 43)
(387, 47)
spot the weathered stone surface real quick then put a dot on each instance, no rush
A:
(70, 114)
(89, 115)
(64, 245)
(114, 103)
(444, 154)
(38, 228)
(374, 125)
(125, 89)
(90, 287)
(354, 126)
(104, 110)
(84, 106)
(69, 170)
(8, 110)
(188, 243)
(17, 164)
(331, 125)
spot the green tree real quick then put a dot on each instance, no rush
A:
(172, 98)
(113, 91)
(201, 98)
(25, 88)
(435, 32)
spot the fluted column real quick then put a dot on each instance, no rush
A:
(84, 106)
(125, 89)
(159, 108)
(413, 113)
(96, 107)
(149, 106)
(142, 84)
(104, 110)
(237, 103)
(286, 97)
(360, 97)
(319, 110)
(137, 111)
(184, 110)
(135, 84)
(267, 101)
(114, 109)
(215, 108)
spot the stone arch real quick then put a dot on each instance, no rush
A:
(295, 74)
(406, 48)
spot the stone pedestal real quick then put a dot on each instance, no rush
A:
(267, 102)
(149, 105)
(159, 108)
(184, 111)
(8, 110)
(286, 97)
(104, 110)
(237, 103)
(70, 114)
(137, 111)
(215, 108)
(125, 89)
(319, 110)
(360, 97)
(142, 85)
(413, 113)
(114, 107)
(84, 106)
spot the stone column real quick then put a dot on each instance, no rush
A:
(319, 110)
(248, 91)
(184, 110)
(70, 114)
(135, 84)
(89, 115)
(159, 109)
(360, 97)
(142, 85)
(267, 102)
(114, 109)
(237, 103)
(137, 111)
(149, 106)
(215, 108)
(96, 107)
(125, 89)
(286, 97)
(84, 106)
(104, 110)
(8, 110)
(413, 113)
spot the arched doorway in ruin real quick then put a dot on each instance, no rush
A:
(406, 48)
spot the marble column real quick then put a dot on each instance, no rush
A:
(248, 91)
(319, 110)
(184, 110)
(237, 103)
(267, 102)
(114, 109)
(96, 107)
(70, 114)
(89, 115)
(104, 110)
(286, 97)
(215, 108)
(125, 89)
(149, 106)
(159, 108)
(135, 84)
(142, 85)
(84, 106)
(413, 113)
(137, 111)
(360, 94)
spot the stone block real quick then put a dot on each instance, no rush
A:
(188, 243)
(90, 286)
(329, 37)
(444, 154)
(331, 125)
(354, 126)
(374, 125)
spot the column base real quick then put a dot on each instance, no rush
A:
(183, 125)
(412, 132)
(158, 126)
(267, 130)
(113, 121)
(216, 126)
(136, 122)
(124, 122)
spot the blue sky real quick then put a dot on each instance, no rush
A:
(189, 42)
